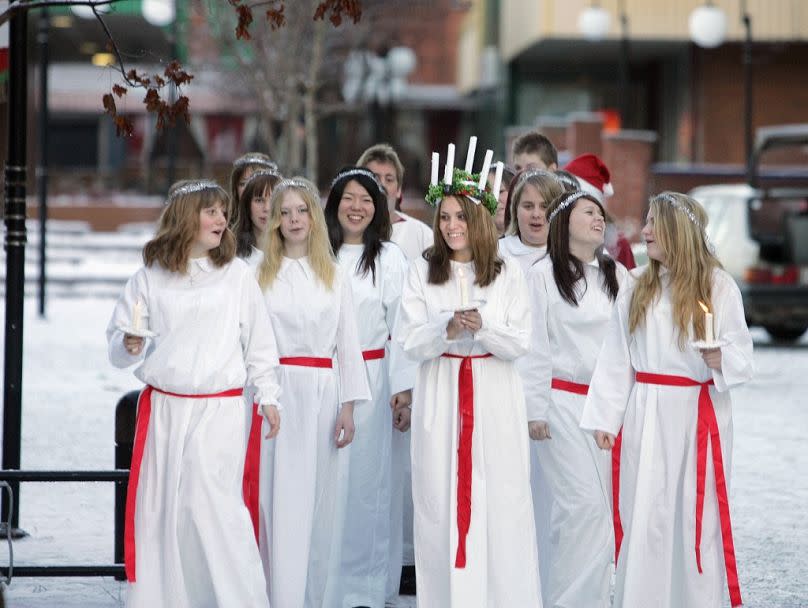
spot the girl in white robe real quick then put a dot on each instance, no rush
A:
(475, 542)
(572, 292)
(311, 309)
(672, 397)
(253, 215)
(359, 226)
(188, 539)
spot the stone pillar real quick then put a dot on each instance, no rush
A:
(628, 155)
(584, 132)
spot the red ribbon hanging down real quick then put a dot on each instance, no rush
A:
(465, 406)
(583, 389)
(141, 432)
(707, 430)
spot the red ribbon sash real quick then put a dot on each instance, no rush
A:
(707, 432)
(372, 355)
(141, 431)
(323, 362)
(569, 387)
(466, 424)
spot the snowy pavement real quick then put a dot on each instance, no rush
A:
(69, 397)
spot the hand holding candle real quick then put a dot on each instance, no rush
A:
(137, 314)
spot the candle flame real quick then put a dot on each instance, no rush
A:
(704, 307)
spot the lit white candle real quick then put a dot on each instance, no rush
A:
(708, 324)
(464, 287)
(433, 181)
(498, 179)
(489, 156)
(447, 176)
(137, 313)
(470, 154)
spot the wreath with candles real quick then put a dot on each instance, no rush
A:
(463, 184)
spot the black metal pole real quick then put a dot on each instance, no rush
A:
(623, 67)
(749, 138)
(42, 170)
(16, 236)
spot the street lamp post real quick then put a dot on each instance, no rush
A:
(42, 170)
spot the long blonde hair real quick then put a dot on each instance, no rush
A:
(679, 223)
(179, 225)
(321, 257)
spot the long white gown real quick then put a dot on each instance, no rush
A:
(366, 544)
(657, 562)
(413, 237)
(300, 468)
(194, 539)
(511, 246)
(502, 565)
(565, 345)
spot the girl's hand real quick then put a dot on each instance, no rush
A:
(538, 430)
(133, 344)
(400, 400)
(273, 418)
(471, 320)
(401, 419)
(455, 326)
(604, 440)
(344, 432)
(712, 358)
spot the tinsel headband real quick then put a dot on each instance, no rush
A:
(264, 173)
(676, 204)
(566, 202)
(300, 184)
(190, 188)
(531, 173)
(255, 159)
(363, 172)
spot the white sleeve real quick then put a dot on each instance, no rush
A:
(136, 290)
(258, 343)
(353, 376)
(420, 338)
(613, 378)
(737, 364)
(506, 333)
(536, 367)
(402, 369)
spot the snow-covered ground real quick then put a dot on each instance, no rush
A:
(69, 397)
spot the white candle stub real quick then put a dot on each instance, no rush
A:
(464, 287)
(137, 314)
(708, 323)
(433, 181)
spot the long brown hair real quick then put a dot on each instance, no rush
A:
(253, 161)
(482, 236)
(545, 182)
(260, 182)
(179, 225)
(679, 223)
(567, 268)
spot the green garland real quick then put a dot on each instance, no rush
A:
(463, 184)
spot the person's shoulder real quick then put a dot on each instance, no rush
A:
(504, 245)
(723, 281)
(636, 272)
(393, 251)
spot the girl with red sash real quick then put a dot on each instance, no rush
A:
(359, 229)
(322, 374)
(188, 538)
(465, 317)
(671, 392)
(572, 292)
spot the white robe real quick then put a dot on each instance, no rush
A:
(565, 344)
(658, 465)
(413, 237)
(255, 258)
(300, 468)
(511, 246)
(366, 545)
(502, 564)
(194, 539)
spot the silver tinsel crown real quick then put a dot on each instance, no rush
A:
(254, 159)
(190, 188)
(301, 184)
(676, 204)
(365, 172)
(568, 200)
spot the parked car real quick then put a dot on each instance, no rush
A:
(761, 237)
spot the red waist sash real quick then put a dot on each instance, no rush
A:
(569, 387)
(465, 408)
(707, 432)
(141, 431)
(323, 362)
(372, 355)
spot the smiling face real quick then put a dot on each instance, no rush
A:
(259, 212)
(212, 224)
(587, 225)
(454, 228)
(649, 236)
(355, 212)
(531, 218)
(295, 218)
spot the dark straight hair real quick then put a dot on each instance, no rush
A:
(568, 269)
(379, 229)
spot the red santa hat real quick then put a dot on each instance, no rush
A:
(592, 174)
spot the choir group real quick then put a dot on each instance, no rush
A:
(334, 390)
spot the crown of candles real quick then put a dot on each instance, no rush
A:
(465, 182)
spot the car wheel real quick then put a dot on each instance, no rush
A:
(785, 334)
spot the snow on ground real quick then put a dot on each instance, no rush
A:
(69, 397)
